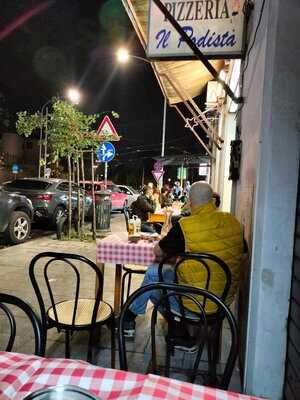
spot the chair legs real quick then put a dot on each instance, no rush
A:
(112, 341)
(67, 344)
(123, 287)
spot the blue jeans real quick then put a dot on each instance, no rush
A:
(139, 305)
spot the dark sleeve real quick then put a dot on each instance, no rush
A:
(148, 205)
(173, 242)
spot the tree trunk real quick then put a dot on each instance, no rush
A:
(93, 197)
(83, 194)
(70, 198)
(78, 199)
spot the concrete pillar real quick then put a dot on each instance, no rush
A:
(278, 51)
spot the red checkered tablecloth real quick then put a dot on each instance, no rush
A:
(22, 374)
(116, 249)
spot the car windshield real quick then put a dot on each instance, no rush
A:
(27, 184)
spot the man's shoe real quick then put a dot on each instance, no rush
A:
(129, 329)
(186, 344)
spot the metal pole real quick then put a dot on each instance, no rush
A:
(40, 145)
(163, 139)
(46, 138)
(93, 197)
(105, 175)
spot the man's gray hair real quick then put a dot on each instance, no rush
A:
(200, 193)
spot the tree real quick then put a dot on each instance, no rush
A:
(69, 133)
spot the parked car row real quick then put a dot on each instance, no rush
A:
(25, 200)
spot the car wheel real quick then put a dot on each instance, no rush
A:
(19, 227)
(59, 212)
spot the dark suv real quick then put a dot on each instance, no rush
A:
(49, 196)
(16, 213)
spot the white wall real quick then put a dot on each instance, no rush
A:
(270, 132)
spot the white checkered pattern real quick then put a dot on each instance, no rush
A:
(22, 374)
(120, 251)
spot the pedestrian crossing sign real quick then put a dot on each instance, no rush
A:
(107, 131)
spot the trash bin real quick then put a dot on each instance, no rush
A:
(103, 209)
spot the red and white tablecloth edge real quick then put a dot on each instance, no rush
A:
(22, 374)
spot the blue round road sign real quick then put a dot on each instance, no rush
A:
(15, 168)
(105, 152)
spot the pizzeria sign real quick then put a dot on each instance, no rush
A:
(215, 26)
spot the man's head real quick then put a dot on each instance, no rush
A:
(200, 193)
(147, 191)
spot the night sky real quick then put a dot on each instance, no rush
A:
(73, 42)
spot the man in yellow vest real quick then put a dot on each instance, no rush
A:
(206, 230)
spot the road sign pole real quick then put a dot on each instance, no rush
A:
(105, 174)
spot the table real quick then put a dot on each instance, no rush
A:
(22, 374)
(118, 250)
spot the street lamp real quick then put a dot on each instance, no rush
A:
(123, 56)
(73, 95)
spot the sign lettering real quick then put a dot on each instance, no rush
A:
(215, 26)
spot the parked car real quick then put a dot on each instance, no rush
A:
(118, 198)
(16, 213)
(132, 193)
(49, 196)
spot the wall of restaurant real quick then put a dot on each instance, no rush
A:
(267, 190)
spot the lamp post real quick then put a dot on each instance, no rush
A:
(123, 56)
(74, 96)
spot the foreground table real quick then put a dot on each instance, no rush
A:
(116, 249)
(22, 374)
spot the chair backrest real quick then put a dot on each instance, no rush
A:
(67, 260)
(192, 293)
(5, 301)
(209, 266)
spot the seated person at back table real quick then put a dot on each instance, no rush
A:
(205, 230)
(166, 199)
(143, 206)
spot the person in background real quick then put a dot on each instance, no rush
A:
(165, 197)
(143, 206)
(177, 191)
(186, 187)
(156, 197)
(206, 230)
(184, 198)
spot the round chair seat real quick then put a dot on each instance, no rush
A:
(135, 268)
(84, 312)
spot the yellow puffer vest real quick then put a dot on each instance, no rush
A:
(210, 231)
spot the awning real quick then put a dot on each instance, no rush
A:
(180, 81)
(192, 75)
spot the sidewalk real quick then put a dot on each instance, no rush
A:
(14, 278)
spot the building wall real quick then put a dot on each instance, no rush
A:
(267, 191)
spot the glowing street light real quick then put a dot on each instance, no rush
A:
(73, 95)
(123, 55)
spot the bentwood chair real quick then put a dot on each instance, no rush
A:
(207, 269)
(198, 297)
(75, 313)
(7, 300)
(129, 269)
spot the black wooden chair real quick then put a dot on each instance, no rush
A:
(129, 269)
(77, 314)
(5, 301)
(198, 297)
(209, 265)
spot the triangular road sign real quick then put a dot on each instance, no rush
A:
(157, 175)
(107, 131)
